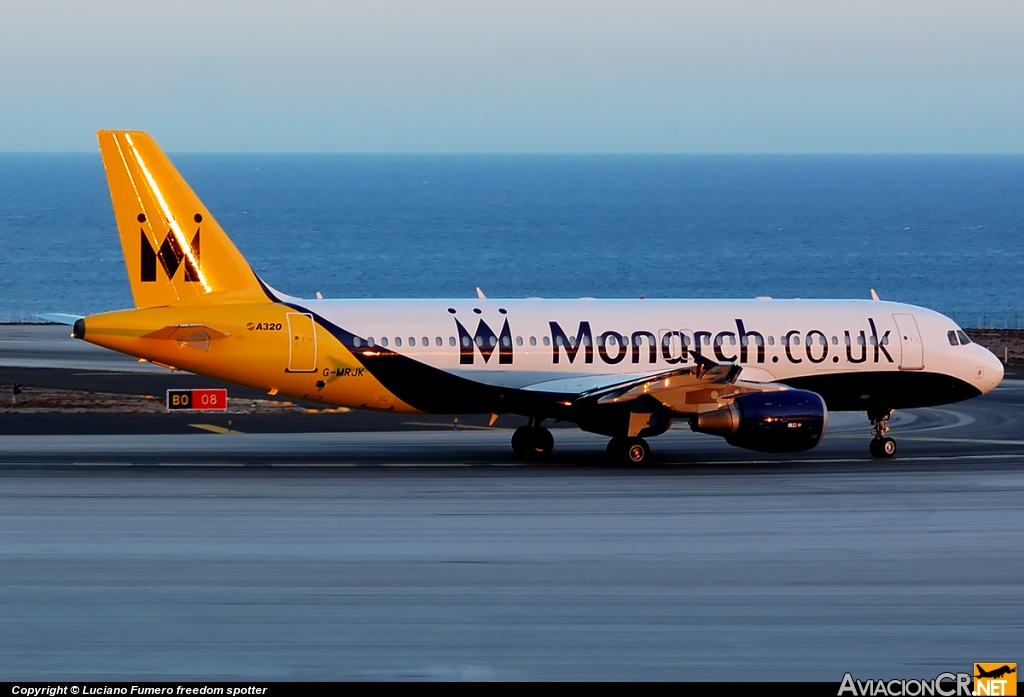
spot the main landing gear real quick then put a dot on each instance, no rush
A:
(633, 451)
(881, 444)
(533, 441)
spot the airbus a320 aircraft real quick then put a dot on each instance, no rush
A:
(760, 373)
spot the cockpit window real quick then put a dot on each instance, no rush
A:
(964, 339)
(951, 335)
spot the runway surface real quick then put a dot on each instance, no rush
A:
(431, 553)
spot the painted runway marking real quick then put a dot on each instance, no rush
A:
(556, 464)
(216, 429)
(455, 427)
(962, 419)
(982, 441)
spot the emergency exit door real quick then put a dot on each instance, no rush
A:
(302, 343)
(911, 350)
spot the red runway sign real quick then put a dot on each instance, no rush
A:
(198, 400)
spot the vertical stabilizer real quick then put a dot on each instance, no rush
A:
(174, 250)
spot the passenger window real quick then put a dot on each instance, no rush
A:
(383, 341)
(437, 341)
(519, 341)
(357, 342)
(771, 340)
(533, 341)
(398, 341)
(493, 341)
(846, 339)
(558, 341)
(426, 341)
(732, 340)
(506, 342)
(796, 340)
(586, 341)
(822, 340)
(964, 339)
(369, 341)
(547, 341)
(860, 339)
(412, 341)
(835, 340)
(480, 341)
(951, 337)
(451, 341)
(465, 341)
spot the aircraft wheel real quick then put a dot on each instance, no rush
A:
(883, 447)
(543, 442)
(631, 451)
(637, 451)
(532, 442)
(616, 449)
(888, 447)
(521, 441)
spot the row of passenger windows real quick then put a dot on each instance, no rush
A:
(640, 340)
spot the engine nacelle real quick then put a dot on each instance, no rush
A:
(770, 422)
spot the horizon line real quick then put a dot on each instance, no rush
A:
(550, 153)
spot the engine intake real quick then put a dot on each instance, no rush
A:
(788, 421)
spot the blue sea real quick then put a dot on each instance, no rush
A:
(943, 232)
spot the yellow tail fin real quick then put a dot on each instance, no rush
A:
(174, 249)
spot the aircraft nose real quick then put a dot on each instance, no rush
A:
(990, 371)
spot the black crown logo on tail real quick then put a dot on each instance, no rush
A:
(170, 254)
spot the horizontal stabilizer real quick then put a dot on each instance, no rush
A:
(59, 317)
(194, 335)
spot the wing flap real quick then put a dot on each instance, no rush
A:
(703, 387)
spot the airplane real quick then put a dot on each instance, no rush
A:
(760, 373)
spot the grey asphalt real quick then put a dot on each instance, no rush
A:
(434, 554)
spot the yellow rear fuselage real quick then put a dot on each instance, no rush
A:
(267, 346)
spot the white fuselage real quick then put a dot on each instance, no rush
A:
(532, 344)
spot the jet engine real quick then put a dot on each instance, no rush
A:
(787, 421)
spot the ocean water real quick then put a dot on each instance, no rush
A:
(943, 232)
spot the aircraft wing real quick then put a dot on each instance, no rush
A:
(689, 390)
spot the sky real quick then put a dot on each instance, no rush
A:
(523, 76)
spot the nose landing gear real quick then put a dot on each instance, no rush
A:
(881, 444)
(532, 442)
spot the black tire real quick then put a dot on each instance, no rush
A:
(543, 442)
(875, 447)
(521, 441)
(532, 442)
(887, 447)
(616, 450)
